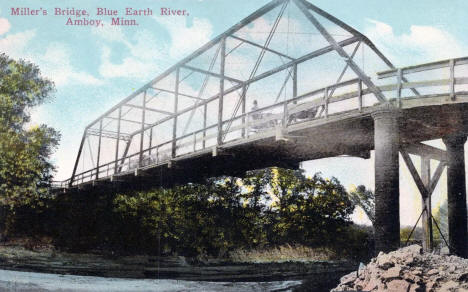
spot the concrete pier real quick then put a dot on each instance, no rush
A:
(387, 192)
(456, 195)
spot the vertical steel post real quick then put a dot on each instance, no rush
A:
(244, 108)
(426, 203)
(221, 92)
(360, 94)
(295, 81)
(205, 108)
(174, 126)
(117, 144)
(452, 79)
(194, 142)
(325, 97)
(294, 89)
(150, 141)
(142, 134)
(399, 85)
(99, 150)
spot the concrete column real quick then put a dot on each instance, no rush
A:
(387, 184)
(456, 195)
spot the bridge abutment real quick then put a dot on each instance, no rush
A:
(387, 184)
(456, 195)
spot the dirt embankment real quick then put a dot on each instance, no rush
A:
(408, 269)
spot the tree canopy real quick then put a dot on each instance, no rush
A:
(25, 169)
(272, 206)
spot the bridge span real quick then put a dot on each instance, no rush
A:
(287, 84)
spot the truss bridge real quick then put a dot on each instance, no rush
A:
(289, 83)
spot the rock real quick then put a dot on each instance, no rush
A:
(416, 288)
(412, 278)
(392, 273)
(358, 286)
(398, 286)
(385, 261)
(448, 286)
(430, 285)
(407, 269)
(414, 250)
(348, 278)
(463, 278)
(372, 284)
(409, 260)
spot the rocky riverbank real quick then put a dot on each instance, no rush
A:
(408, 269)
(178, 268)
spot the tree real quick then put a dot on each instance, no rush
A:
(365, 199)
(25, 169)
(306, 210)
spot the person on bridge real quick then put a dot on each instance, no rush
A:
(255, 115)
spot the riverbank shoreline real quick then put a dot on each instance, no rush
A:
(173, 268)
(167, 267)
(40, 282)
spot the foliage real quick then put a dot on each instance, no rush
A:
(306, 209)
(25, 170)
(365, 199)
(356, 242)
(270, 206)
(266, 208)
(416, 234)
(21, 88)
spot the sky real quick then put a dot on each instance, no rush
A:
(94, 67)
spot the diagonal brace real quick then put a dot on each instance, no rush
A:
(423, 189)
(365, 79)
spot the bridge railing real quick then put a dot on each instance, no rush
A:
(60, 184)
(258, 123)
(305, 107)
(426, 78)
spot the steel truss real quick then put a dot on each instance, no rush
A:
(110, 125)
(170, 116)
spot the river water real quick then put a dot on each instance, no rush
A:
(29, 282)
